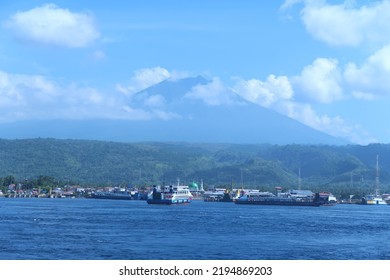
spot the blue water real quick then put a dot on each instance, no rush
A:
(90, 229)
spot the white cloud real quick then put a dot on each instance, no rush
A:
(345, 24)
(163, 115)
(335, 126)
(307, 115)
(143, 79)
(138, 114)
(49, 24)
(17, 90)
(277, 93)
(121, 89)
(141, 114)
(373, 75)
(34, 97)
(324, 81)
(265, 93)
(147, 77)
(155, 101)
(289, 3)
(214, 93)
(37, 97)
(320, 81)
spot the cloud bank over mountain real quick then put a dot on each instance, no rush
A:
(38, 98)
(133, 63)
(189, 109)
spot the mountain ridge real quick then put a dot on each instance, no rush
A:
(92, 162)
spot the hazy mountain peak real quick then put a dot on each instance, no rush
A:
(192, 109)
(172, 87)
(204, 116)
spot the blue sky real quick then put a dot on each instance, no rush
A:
(323, 63)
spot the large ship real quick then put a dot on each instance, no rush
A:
(119, 195)
(169, 195)
(290, 198)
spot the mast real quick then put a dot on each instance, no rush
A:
(351, 181)
(299, 178)
(242, 180)
(377, 176)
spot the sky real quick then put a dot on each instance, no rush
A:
(323, 63)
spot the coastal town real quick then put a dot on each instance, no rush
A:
(68, 191)
(209, 194)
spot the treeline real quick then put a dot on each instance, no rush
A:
(341, 169)
(41, 182)
(10, 183)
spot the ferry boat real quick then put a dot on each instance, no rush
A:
(291, 198)
(169, 195)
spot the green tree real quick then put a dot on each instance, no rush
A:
(8, 180)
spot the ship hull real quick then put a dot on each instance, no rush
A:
(280, 203)
(115, 197)
(374, 202)
(170, 195)
(168, 201)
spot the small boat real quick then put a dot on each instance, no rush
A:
(373, 200)
(327, 198)
(169, 195)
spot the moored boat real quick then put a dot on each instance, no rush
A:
(375, 199)
(291, 198)
(327, 198)
(170, 195)
(124, 195)
(222, 195)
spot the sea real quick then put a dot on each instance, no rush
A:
(94, 229)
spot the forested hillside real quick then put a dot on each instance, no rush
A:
(332, 168)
